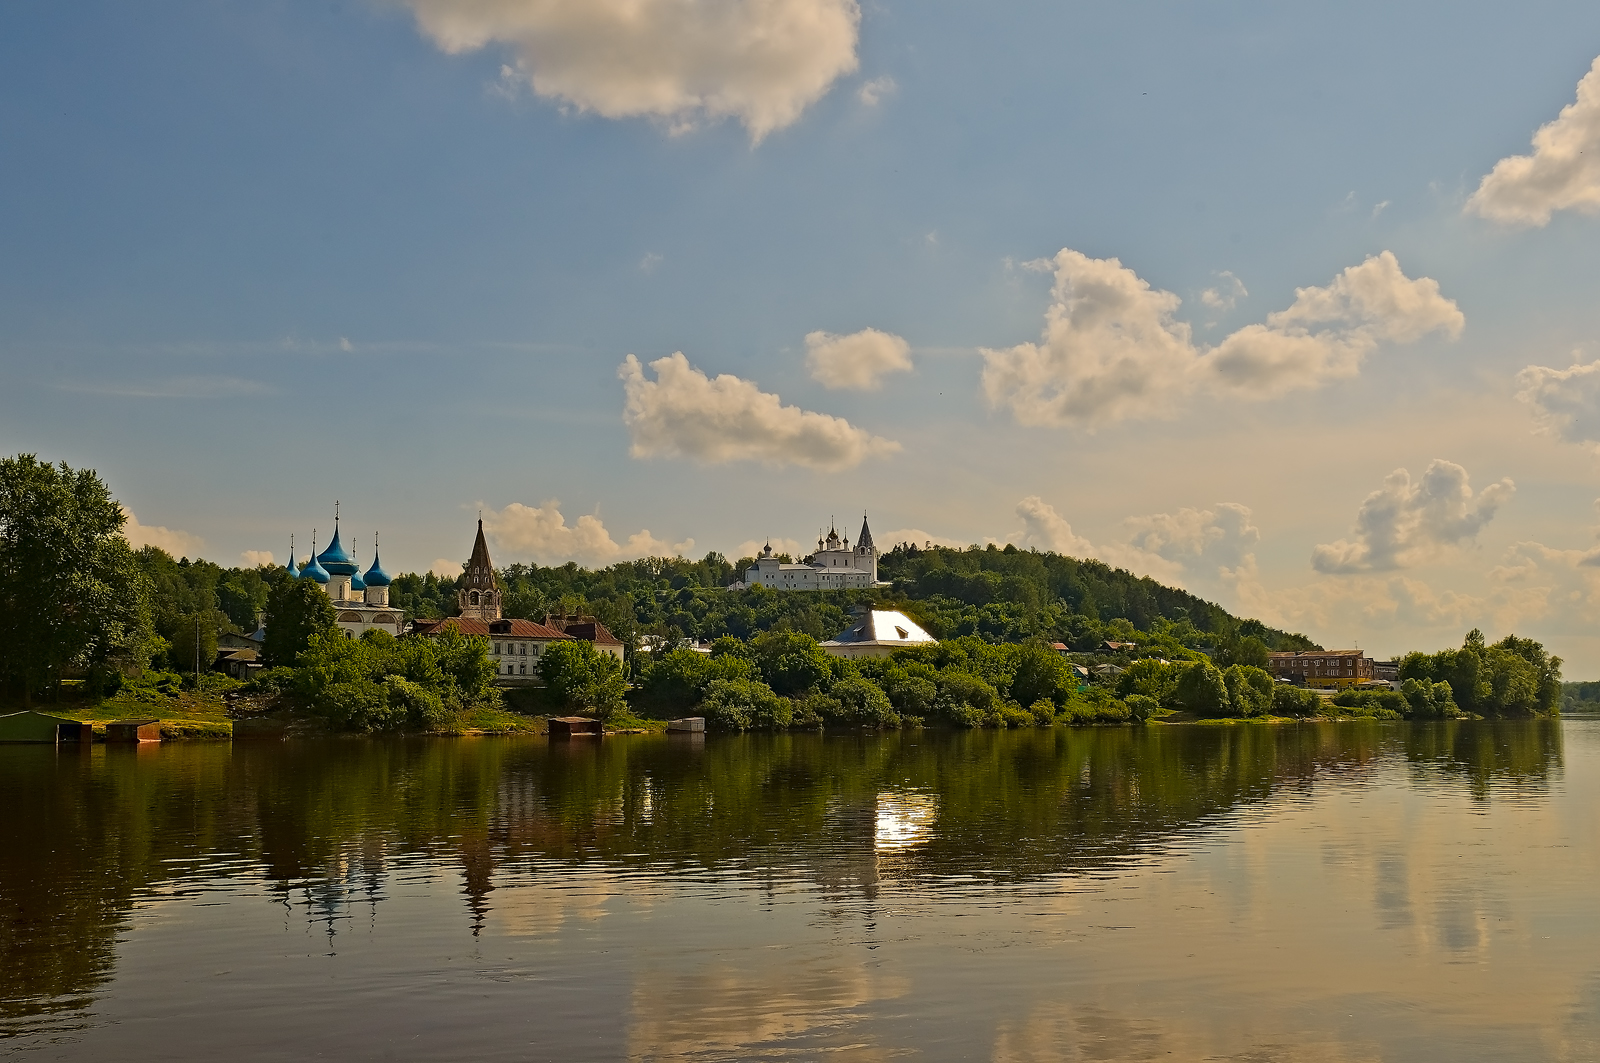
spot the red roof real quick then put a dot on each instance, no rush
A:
(516, 629)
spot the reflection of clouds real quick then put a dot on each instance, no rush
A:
(545, 901)
(1065, 1031)
(905, 820)
(744, 1012)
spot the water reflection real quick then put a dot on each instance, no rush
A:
(540, 835)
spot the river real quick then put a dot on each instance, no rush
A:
(1315, 892)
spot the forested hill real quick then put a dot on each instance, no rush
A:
(1003, 595)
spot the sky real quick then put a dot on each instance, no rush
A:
(1294, 306)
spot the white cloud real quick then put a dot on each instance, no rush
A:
(1403, 523)
(684, 413)
(541, 534)
(1045, 529)
(255, 558)
(445, 568)
(1563, 173)
(762, 62)
(860, 360)
(1112, 348)
(915, 536)
(1566, 402)
(872, 93)
(1226, 295)
(650, 261)
(1205, 540)
(175, 542)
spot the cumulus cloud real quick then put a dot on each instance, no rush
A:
(762, 62)
(860, 360)
(1566, 402)
(542, 534)
(445, 568)
(1403, 523)
(1563, 173)
(1045, 529)
(175, 542)
(684, 413)
(255, 558)
(1218, 539)
(1113, 349)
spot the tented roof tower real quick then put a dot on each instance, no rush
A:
(479, 595)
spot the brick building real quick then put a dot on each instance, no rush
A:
(1327, 669)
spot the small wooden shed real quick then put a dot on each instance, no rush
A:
(688, 725)
(570, 726)
(133, 731)
(30, 726)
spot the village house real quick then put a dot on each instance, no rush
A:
(878, 633)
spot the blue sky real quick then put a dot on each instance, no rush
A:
(256, 257)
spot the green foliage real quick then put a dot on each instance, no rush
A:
(196, 631)
(792, 663)
(1249, 691)
(1513, 677)
(581, 679)
(1201, 689)
(1095, 705)
(1428, 701)
(1290, 700)
(379, 682)
(71, 593)
(863, 702)
(743, 704)
(1152, 679)
(298, 611)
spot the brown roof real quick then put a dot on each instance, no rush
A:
(516, 629)
(593, 631)
(1319, 653)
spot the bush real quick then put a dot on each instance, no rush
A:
(1008, 714)
(1249, 691)
(863, 702)
(1429, 701)
(359, 706)
(271, 681)
(1290, 700)
(1043, 712)
(1141, 707)
(961, 691)
(422, 708)
(740, 704)
(912, 695)
(1201, 689)
(1095, 706)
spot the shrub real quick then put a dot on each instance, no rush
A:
(1429, 700)
(1095, 706)
(1043, 712)
(1201, 689)
(958, 689)
(1290, 700)
(863, 702)
(1249, 691)
(912, 695)
(359, 706)
(1009, 714)
(1141, 707)
(422, 708)
(740, 704)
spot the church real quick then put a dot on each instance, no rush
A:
(835, 566)
(360, 603)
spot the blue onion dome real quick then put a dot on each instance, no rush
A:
(335, 559)
(294, 572)
(376, 576)
(313, 570)
(356, 584)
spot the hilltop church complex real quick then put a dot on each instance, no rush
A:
(834, 567)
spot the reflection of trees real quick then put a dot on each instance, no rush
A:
(1488, 753)
(89, 832)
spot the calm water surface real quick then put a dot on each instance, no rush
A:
(1317, 892)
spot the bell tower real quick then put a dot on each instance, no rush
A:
(480, 597)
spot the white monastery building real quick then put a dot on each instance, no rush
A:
(835, 566)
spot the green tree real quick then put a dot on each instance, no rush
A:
(1202, 690)
(71, 593)
(580, 679)
(296, 611)
(1249, 690)
(194, 631)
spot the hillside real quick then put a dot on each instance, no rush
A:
(1002, 595)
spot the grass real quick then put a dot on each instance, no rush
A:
(187, 715)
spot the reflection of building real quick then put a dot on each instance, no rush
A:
(360, 603)
(1322, 668)
(835, 566)
(878, 633)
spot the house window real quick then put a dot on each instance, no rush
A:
(497, 649)
(522, 649)
(522, 669)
